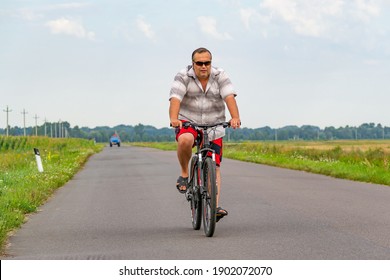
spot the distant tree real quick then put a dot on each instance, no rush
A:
(139, 130)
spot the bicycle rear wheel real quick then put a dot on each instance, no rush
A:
(195, 202)
(209, 197)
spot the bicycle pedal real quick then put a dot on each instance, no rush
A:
(218, 217)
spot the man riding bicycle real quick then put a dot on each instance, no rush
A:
(198, 94)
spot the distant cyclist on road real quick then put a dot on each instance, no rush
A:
(198, 94)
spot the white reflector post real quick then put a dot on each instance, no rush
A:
(38, 158)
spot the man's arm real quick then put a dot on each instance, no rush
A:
(174, 108)
(231, 104)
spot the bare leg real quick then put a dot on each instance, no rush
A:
(184, 153)
(218, 173)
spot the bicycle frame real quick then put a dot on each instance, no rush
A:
(202, 148)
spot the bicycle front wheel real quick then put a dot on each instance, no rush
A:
(196, 203)
(209, 197)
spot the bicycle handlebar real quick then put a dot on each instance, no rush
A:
(205, 126)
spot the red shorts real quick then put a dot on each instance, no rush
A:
(216, 144)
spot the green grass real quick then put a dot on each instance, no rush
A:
(365, 161)
(22, 188)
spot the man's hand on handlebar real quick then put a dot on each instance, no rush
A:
(176, 123)
(235, 123)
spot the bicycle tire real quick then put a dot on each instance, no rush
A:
(195, 202)
(209, 197)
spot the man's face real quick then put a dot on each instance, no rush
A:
(202, 71)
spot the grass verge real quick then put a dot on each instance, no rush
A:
(22, 188)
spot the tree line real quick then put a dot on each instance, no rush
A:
(148, 133)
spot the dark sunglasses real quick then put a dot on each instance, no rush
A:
(201, 63)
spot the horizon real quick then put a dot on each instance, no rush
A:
(164, 127)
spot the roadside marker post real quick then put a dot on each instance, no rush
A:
(38, 159)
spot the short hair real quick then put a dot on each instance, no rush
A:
(200, 50)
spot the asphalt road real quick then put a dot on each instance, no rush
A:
(124, 205)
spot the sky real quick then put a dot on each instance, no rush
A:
(111, 62)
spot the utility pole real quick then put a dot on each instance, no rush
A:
(7, 111)
(36, 125)
(24, 113)
(45, 126)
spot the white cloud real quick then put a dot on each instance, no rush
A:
(313, 18)
(145, 28)
(69, 27)
(208, 25)
(305, 17)
(365, 9)
(40, 12)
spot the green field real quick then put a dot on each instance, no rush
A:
(22, 187)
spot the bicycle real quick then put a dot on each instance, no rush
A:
(202, 187)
